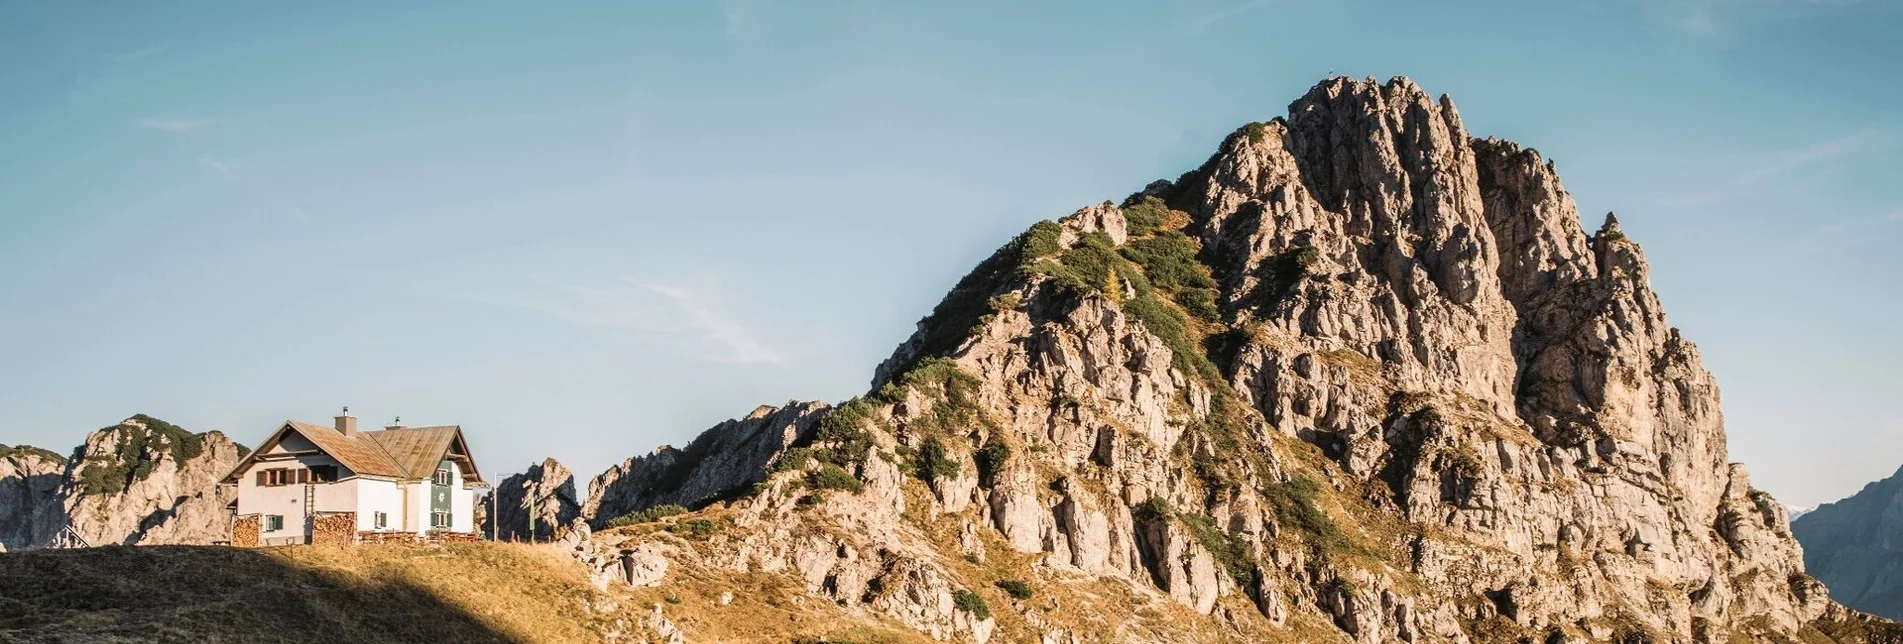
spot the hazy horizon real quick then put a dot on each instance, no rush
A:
(589, 234)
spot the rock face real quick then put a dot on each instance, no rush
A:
(142, 481)
(725, 459)
(545, 491)
(145, 481)
(1360, 377)
(29, 496)
(1855, 546)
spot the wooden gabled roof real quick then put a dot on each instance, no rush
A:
(404, 453)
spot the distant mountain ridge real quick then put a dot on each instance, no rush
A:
(1855, 546)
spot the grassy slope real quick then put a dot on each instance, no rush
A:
(464, 592)
(475, 592)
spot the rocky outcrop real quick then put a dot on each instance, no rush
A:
(1361, 376)
(145, 481)
(724, 460)
(545, 492)
(141, 481)
(29, 496)
(1855, 546)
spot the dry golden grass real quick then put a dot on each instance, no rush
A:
(474, 592)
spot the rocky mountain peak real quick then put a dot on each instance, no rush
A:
(1359, 369)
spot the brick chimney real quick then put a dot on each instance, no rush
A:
(347, 424)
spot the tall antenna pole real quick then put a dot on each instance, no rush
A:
(531, 515)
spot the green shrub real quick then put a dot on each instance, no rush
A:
(792, 459)
(130, 462)
(957, 393)
(841, 437)
(648, 515)
(812, 498)
(1255, 131)
(1145, 216)
(1169, 325)
(992, 457)
(698, 529)
(934, 462)
(1016, 589)
(1295, 506)
(970, 602)
(834, 477)
(1232, 552)
(1169, 259)
(1610, 236)
(1200, 302)
(29, 450)
(1153, 509)
(1086, 268)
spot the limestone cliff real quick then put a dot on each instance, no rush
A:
(1856, 547)
(1359, 377)
(29, 495)
(723, 460)
(545, 492)
(141, 481)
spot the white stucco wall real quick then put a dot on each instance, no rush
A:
(462, 504)
(377, 495)
(417, 517)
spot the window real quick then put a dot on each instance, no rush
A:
(439, 519)
(442, 477)
(293, 476)
(380, 521)
(273, 522)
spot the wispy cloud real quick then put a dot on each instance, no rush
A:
(255, 186)
(215, 165)
(1806, 156)
(1203, 23)
(172, 125)
(1780, 165)
(660, 310)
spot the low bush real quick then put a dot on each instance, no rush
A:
(697, 529)
(934, 462)
(1295, 506)
(834, 477)
(1231, 552)
(1015, 588)
(1145, 216)
(992, 457)
(971, 602)
(655, 513)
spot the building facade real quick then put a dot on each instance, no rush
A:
(309, 483)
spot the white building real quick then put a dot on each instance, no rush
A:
(314, 484)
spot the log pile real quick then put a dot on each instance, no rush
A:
(245, 531)
(334, 528)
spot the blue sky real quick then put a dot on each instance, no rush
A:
(588, 231)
